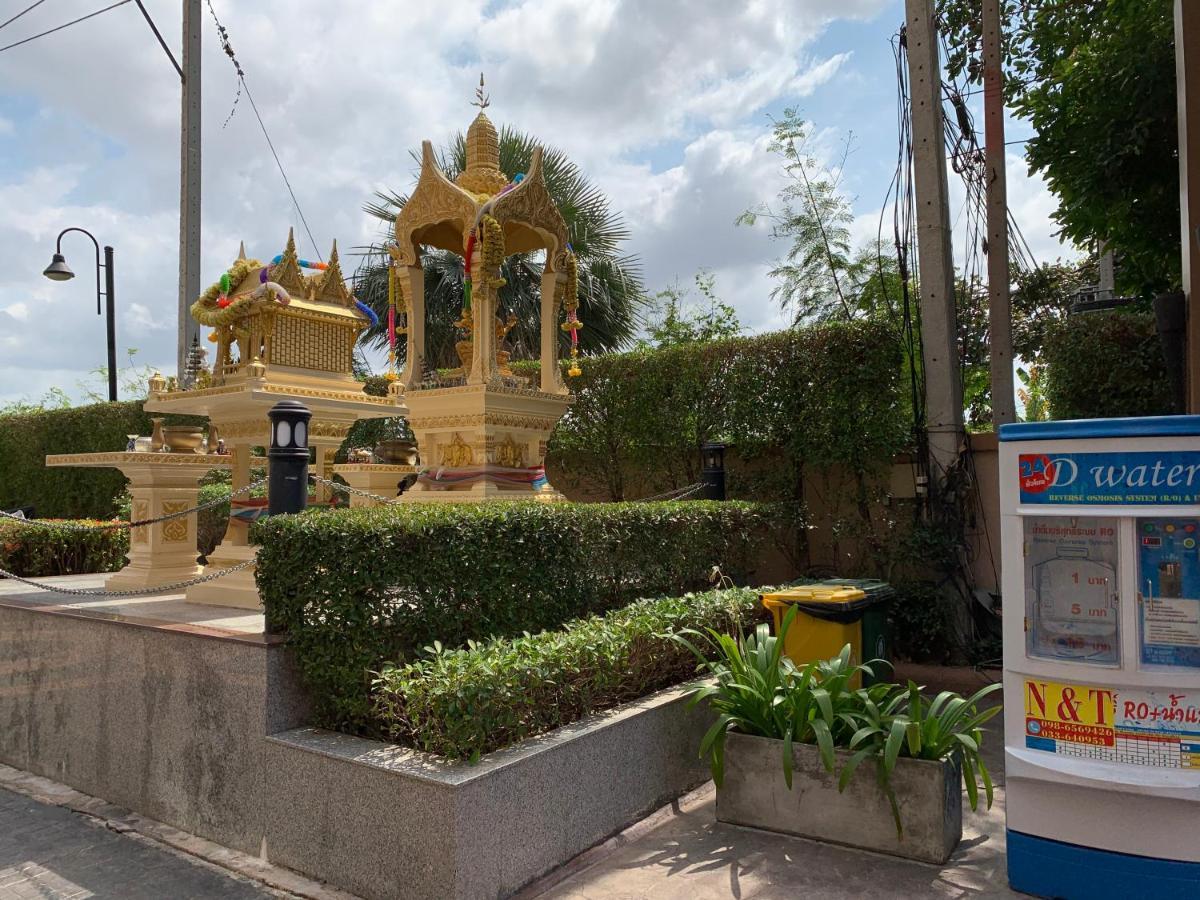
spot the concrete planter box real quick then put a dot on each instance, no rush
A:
(384, 821)
(929, 793)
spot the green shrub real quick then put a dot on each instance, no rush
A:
(821, 397)
(27, 438)
(34, 551)
(358, 588)
(1106, 364)
(464, 703)
(922, 621)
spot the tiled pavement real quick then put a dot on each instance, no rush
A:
(51, 852)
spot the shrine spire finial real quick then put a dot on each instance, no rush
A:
(481, 99)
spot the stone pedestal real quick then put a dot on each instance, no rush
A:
(159, 484)
(238, 410)
(376, 478)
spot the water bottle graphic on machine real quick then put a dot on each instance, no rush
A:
(1076, 610)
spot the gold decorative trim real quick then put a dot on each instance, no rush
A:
(536, 423)
(322, 428)
(119, 459)
(382, 468)
(262, 428)
(245, 428)
(139, 513)
(176, 530)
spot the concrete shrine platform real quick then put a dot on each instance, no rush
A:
(170, 612)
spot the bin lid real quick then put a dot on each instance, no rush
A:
(837, 595)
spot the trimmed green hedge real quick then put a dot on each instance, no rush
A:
(34, 551)
(464, 703)
(27, 438)
(809, 398)
(1106, 364)
(358, 588)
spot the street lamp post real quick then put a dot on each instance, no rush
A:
(58, 270)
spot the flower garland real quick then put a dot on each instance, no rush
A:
(493, 250)
(571, 305)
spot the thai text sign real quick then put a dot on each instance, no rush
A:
(1145, 478)
(1143, 728)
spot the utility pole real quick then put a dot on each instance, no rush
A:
(1187, 80)
(943, 390)
(1004, 407)
(189, 184)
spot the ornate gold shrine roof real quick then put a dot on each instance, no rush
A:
(440, 212)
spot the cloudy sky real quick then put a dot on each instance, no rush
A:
(665, 104)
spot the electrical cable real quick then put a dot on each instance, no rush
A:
(21, 13)
(60, 27)
(227, 47)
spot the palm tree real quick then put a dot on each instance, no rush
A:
(611, 296)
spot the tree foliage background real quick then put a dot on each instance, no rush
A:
(1096, 81)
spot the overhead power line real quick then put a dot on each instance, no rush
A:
(227, 47)
(21, 13)
(60, 27)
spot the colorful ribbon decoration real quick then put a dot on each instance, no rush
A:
(303, 263)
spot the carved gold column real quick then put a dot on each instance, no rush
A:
(552, 382)
(412, 279)
(483, 314)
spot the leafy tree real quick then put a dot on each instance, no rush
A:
(673, 320)
(1096, 81)
(815, 278)
(611, 297)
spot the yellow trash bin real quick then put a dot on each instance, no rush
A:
(827, 619)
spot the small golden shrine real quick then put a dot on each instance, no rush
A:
(279, 334)
(482, 431)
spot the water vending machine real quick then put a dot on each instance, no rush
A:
(1100, 529)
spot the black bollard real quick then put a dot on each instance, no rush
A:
(712, 471)
(287, 485)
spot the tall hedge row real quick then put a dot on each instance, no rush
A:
(359, 588)
(808, 398)
(27, 438)
(1107, 364)
(817, 397)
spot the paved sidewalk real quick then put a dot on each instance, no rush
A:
(51, 852)
(683, 853)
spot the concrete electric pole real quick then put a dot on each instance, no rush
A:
(943, 389)
(1004, 408)
(189, 183)
(1187, 79)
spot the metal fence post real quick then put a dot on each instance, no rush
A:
(287, 484)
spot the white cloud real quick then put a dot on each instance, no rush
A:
(661, 103)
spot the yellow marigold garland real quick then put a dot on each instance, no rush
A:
(493, 250)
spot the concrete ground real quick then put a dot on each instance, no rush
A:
(683, 852)
(49, 851)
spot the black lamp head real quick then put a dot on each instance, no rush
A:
(58, 270)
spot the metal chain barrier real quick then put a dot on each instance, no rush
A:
(135, 592)
(346, 489)
(109, 526)
(675, 494)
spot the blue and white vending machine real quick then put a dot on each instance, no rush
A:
(1100, 529)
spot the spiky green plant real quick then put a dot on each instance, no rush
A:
(757, 690)
(611, 296)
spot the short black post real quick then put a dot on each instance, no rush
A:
(712, 470)
(287, 486)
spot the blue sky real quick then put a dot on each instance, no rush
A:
(665, 104)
